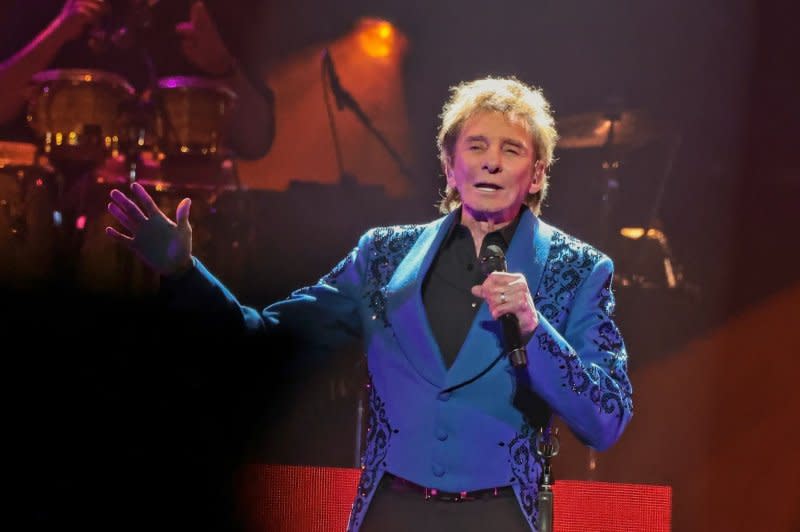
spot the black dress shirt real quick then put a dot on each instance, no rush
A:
(449, 303)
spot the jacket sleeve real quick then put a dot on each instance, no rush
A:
(325, 314)
(582, 374)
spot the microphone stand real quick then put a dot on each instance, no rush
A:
(332, 122)
(143, 111)
(346, 100)
(547, 446)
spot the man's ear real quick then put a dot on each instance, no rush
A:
(537, 179)
(448, 174)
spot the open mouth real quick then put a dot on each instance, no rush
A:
(488, 187)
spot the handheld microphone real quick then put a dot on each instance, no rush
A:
(494, 260)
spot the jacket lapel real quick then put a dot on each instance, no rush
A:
(404, 305)
(527, 254)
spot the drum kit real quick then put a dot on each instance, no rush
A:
(94, 133)
(630, 226)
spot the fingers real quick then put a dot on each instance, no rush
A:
(182, 212)
(478, 291)
(501, 299)
(506, 293)
(199, 20)
(145, 200)
(503, 278)
(202, 43)
(123, 218)
(126, 205)
(199, 14)
(515, 304)
(501, 282)
(492, 292)
(119, 237)
(89, 13)
(90, 9)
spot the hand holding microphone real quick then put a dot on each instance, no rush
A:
(510, 302)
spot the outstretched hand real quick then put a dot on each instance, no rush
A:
(163, 245)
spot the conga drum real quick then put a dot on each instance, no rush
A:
(193, 119)
(77, 114)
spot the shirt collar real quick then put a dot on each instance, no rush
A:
(505, 234)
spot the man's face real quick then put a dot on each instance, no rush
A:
(493, 167)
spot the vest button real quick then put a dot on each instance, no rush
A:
(444, 396)
(441, 435)
(437, 470)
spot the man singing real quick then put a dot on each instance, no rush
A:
(452, 419)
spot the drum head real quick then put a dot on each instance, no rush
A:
(194, 116)
(77, 114)
(82, 76)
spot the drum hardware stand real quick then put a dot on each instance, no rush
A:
(140, 118)
(144, 109)
(72, 179)
(612, 162)
(614, 132)
(141, 114)
(673, 275)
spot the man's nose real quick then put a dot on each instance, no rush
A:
(491, 161)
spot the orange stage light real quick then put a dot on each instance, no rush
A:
(376, 37)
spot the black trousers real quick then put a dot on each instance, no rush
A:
(408, 511)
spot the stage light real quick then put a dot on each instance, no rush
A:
(646, 252)
(376, 37)
(634, 233)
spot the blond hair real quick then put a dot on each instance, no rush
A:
(518, 102)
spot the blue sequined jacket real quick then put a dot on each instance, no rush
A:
(463, 428)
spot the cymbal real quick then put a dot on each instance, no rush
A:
(594, 130)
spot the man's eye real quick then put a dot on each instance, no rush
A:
(476, 147)
(512, 150)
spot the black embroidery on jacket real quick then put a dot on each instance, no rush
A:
(379, 434)
(526, 466)
(390, 245)
(606, 392)
(569, 261)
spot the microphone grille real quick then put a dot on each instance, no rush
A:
(493, 259)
